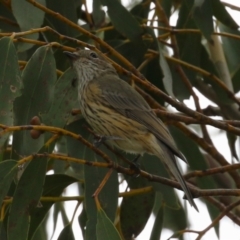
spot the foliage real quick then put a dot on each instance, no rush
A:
(42, 130)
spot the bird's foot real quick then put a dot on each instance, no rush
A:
(135, 166)
(98, 140)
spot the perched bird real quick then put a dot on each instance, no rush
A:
(120, 115)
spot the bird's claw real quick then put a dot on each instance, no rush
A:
(135, 166)
(98, 140)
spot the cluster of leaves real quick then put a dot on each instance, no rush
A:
(35, 83)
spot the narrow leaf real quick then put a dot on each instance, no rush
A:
(66, 233)
(105, 228)
(25, 199)
(157, 227)
(10, 83)
(122, 20)
(38, 77)
(8, 170)
(167, 76)
(53, 187)
(221, 13)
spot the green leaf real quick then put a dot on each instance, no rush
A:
(105, 228)
(175, 219)
(167, 7)
(232, 52)
(155, 166)
(66, 233)
(38, 77)
(202, 11)
(167, 76)
(82, 219)
(133, 51)
(3, 233)
(64, 100)
(122, 20)
(68, 10)
(190, 149)
(53, 187)
(10, 25)
(75, 148)
(220, 96)
(188, 44)
(135, 210)
(157, 227)
(26, 198)
(10, 83)
(108, 196)
(141, 10)
(8, 170)
(60, 166)
(28, 17)
(97, 13)
(223, 15)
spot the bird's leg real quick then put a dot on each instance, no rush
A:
(135, 166)
(98, 140)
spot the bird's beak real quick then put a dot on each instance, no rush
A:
(71, 55)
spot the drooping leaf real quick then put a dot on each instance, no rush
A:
(122, 20)
(158, 223)
(167, 76)
(53, 187)
(135, 210)
(108, 196)
(141, 10)
(8, 170)
(64, 101)
(66, 233)
(98, 14)
(202, 12)
(10, 83)
(68, 10)
(155, 166)
(75, 148)
(39, 77)
(28, 17)
(11, 24)
(190, 149)
(26, 198)
(223, 15)
(105, 228)
(232, 54)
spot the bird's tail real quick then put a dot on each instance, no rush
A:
(165, 155)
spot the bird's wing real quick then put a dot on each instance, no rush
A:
(128, 102)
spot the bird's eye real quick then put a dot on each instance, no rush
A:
(93, 55)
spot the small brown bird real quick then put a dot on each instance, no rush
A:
(120, 115)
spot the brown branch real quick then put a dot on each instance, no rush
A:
(222, 207)
(154, 178)
(183, 76)
(209, 148)
(55, 130)
(218, 218)
(212, 171)
(207, 74)
(88, 34)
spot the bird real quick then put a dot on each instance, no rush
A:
(120, 115)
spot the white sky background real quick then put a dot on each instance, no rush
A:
(199, 221)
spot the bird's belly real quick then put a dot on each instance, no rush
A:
(119, 131)
(129, 145)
